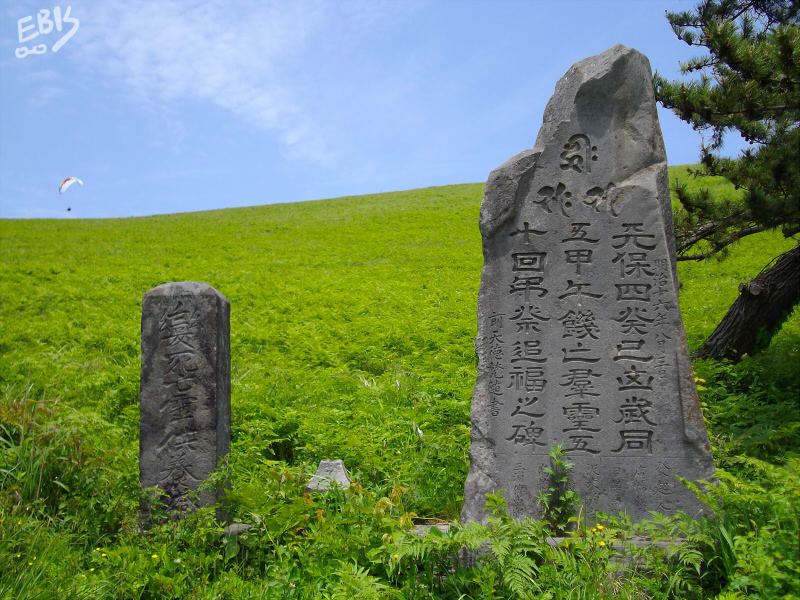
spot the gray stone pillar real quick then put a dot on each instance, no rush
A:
(184, 398)
(580, 339)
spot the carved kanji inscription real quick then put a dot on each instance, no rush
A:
(590, 351)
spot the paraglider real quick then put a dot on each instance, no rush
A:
(66, 183)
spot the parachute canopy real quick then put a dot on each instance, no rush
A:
(66, 183)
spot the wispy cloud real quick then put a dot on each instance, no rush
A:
(238, 56)
(42, 86)
(44, 95)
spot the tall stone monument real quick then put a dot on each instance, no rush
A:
(184, 399)
(580, 339)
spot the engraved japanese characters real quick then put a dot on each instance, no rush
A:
(580, 339)
(184, 396)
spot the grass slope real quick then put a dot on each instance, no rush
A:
(352, 323)
(352, 326)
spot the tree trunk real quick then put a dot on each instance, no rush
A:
(758, 313)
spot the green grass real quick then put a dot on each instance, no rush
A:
(711, 286)
(353, 323)
(357, 314)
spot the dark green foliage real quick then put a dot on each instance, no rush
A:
(559, 502)
(748, 81)
(751, 408)
(70, 468)
(750, 545)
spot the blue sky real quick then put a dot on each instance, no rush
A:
(173, 106)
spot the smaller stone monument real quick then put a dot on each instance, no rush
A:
(328, 473)
(184, 398)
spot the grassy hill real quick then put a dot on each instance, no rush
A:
(352, 325)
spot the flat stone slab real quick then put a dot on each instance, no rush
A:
(329, 472)
(580, 338)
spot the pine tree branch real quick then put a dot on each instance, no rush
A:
(704, 231)
(791, 231)
(745, 8)
(760, 109)
(726, 242)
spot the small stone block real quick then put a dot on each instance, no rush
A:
(236, 529)
(425, 529)
(328, 473)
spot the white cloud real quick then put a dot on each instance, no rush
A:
(238, 56)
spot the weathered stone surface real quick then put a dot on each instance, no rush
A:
(235, 529)
(580, 339)
(184, 399)
(425, 529)
(328, 473)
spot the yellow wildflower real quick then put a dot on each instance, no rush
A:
(600, 528)
(594, 528)
(602, 543)
(92, 569)
(397, 556)
(19, 522)
(103, 554)
(155, 556)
